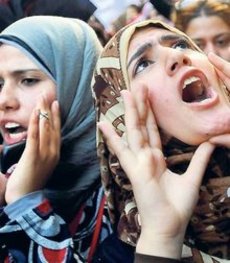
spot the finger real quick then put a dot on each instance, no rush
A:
(159, 162)
(221, 64)
(134, 133)
(45, 124)
(55, 110)
(153, 131)
(45, 110)
(32, 141)
(141, 99)
(119, 148)
(222, 67)
(1, 148)
(225, 79)
(199, 163)
(221, 140)
(56, 131)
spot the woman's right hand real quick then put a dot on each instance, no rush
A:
(41, 153)
(3, 181)
(165, 200)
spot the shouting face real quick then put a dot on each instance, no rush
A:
(21, 85)
(184, 90)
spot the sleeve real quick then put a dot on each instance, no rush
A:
(31, 232)
(141, 258)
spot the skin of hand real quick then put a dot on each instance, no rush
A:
(223, 70)
(3, 181)
(164, 199)
(41, 153)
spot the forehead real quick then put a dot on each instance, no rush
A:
(143, 34)
(149, 34)
(211, 26)
(14, 57)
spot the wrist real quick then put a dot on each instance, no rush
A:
(161, 246)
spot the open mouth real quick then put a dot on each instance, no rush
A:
(14, 132)
(194, 90)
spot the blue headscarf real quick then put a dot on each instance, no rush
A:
(66, 50)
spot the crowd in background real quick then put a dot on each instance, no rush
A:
(108, 16)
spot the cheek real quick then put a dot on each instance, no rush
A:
(163, 108)
(51, 95)
(49, 91)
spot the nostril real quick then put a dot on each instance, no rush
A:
(173, 67)
(186, 61)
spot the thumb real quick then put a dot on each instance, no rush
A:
(199, 163)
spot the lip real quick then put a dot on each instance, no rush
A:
(213, 96)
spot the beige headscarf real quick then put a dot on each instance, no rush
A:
(210, 224)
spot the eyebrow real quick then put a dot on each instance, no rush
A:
(18, 72)
(21, 71)
(223, 34)
(143, 48)
(171, 37)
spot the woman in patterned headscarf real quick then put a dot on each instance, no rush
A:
(163, 72)
(49, 57)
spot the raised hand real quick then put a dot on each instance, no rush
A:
(165, 200)
(223, 70)
(3, 182)
(41, 153)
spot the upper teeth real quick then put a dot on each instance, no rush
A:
(190, 80)
(10, 125)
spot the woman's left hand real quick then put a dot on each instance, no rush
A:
(223, 70)
(41, 153)
(222, 67)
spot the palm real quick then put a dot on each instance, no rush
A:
(40, 156)
(158, 191)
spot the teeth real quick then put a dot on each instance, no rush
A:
(10, 125)
(190, 80)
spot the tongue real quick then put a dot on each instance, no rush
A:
(12, 138)
(194, 92)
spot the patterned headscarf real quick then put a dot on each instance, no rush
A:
(209, 226)
(66, 50)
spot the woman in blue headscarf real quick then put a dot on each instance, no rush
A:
(46, 107)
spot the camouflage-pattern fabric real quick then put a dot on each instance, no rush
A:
(209, 228)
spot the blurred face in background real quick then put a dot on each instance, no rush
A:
(207, 23)
(211, 34)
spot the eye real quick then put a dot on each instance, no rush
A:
(141, 65)
(30, 81)
(200, 44)
(223, 42)
(182, 44)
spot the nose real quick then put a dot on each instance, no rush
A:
(8, 98)
(176, 59)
